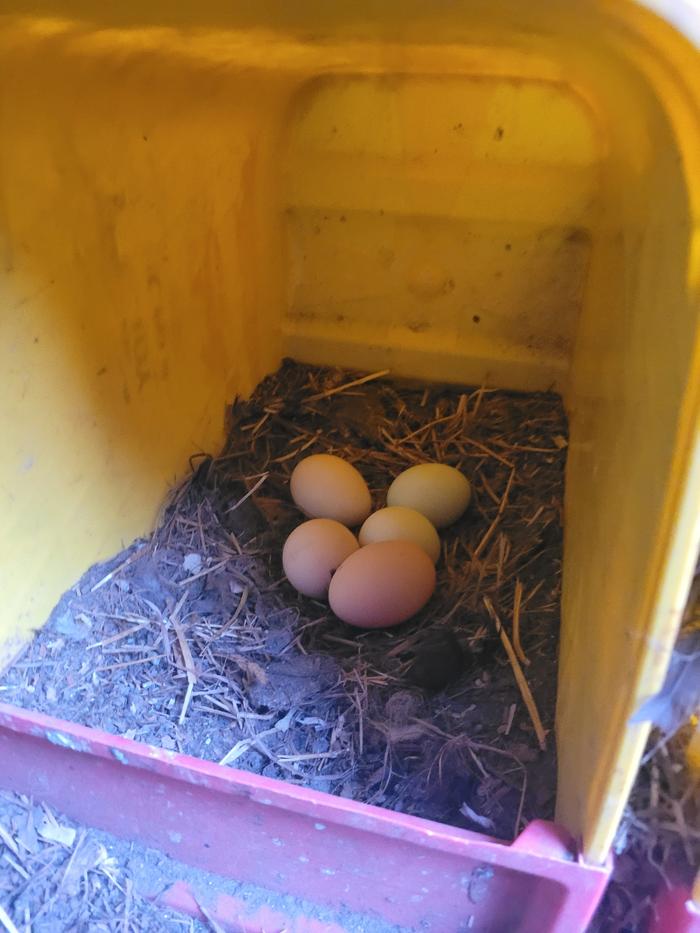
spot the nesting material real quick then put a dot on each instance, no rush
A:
(193, 640)
(658, 842)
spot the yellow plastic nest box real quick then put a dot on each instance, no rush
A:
(477, 191)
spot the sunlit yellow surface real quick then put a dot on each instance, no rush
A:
(483, 191)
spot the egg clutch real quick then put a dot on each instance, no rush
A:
(386, 574)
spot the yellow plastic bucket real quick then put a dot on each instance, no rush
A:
(474, 191)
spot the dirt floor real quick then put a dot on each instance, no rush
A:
(57, 876)
(193, 640)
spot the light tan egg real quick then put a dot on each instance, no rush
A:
(382, 584)
(324, 486)
(312, 553)
(397, 523)
(438, 491)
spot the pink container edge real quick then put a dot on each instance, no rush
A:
(676, 912)
(296, 842)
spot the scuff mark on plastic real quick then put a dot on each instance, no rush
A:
(65, 741)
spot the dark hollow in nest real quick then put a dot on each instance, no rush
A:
(193, 640)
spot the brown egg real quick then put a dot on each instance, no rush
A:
(324, 486)
(313, 551)
(382, 584)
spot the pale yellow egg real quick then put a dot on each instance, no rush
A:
(398, 523)
(438, 491)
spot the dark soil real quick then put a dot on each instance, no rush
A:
(192, 639)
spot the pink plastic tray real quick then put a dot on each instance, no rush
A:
(332, 852)
(676, 912)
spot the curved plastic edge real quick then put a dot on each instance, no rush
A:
(293, 840)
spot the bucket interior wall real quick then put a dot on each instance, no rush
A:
(476, 194)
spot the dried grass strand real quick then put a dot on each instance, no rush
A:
(520, 678)
(517, 600)
(362, 380)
